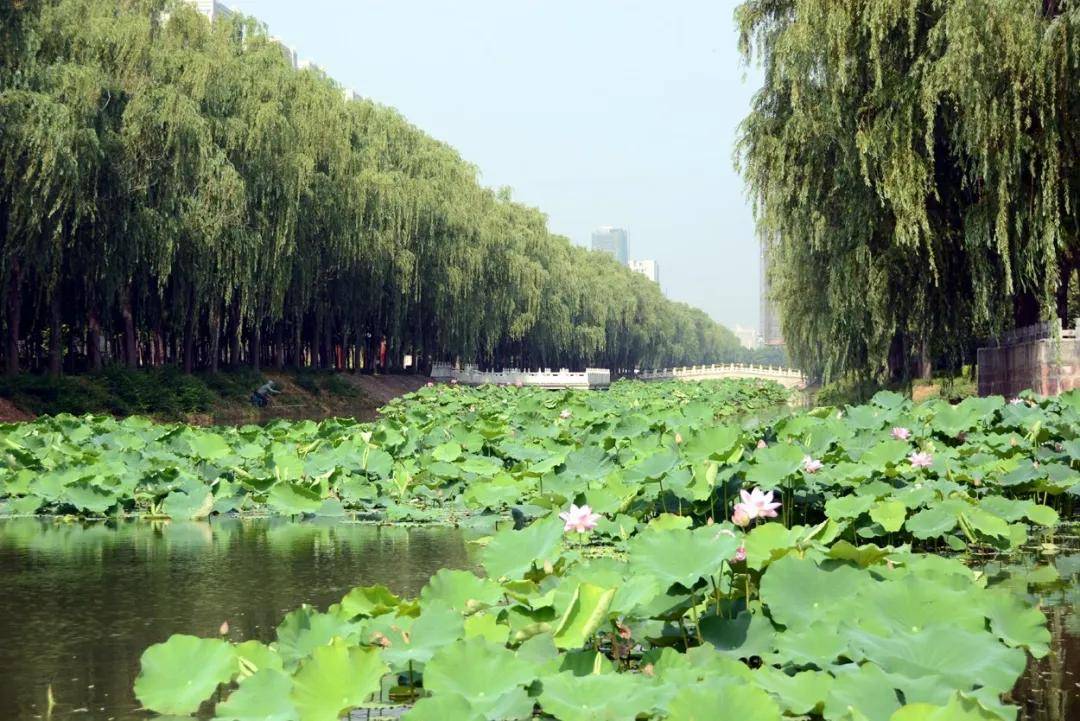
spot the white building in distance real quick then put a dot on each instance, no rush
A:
(648, 268)
(211, 9)
(748, 337)
(288, 52)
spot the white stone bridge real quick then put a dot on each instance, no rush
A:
(787, 377)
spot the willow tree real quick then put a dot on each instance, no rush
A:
(914, 170)
(175, 191)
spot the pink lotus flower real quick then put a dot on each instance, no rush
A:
(430, 384)
(762, 444)
(810, 465)
(901, 434)
(565, 413)
(921, 460)
(579, 519)
(224, 628)
(678, 438)
(453, 381)
(758, 504)
(1016, 401)
(741, 516)
(740, 554)
(519, 383)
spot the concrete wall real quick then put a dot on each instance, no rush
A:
(1046, 366)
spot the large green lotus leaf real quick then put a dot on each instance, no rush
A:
(194, 505)
(587, 610)
(590, 463)
(87, 496)
(306, 629)
(957, 709)
(864, 689)
(768, 542)
(178, 675)
(889, 400)
(678, 670)
(208, 446)
(444, 707)
(585, 662)
(884, 454)
(653, 467)
(681, 556)
(484, 466)
(716, 443)
(479, 671)
(748, 634)
(436, 627)
(447, 452)
(284, 462)
(843, 507)
(511, 553)
(23, 506)
(986, 523)
(369, 601)
(263, 697)
(890, 514)
(255, 656)
(1016, 622)
(335, 680)
(461, 590)
(936, 520)
(799, 693)
(598, 697)
(798, 591)
(293, 498)
(961, 658)
(707, 702)
(487, 626)
(911, 603)
(816, 644)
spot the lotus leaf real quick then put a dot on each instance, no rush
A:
(178, 675)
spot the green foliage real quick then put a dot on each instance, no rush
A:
(173, 191)
(912, 164)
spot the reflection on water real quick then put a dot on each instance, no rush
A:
(1050, 687)
(80, 602)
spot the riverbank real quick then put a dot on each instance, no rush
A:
(166, 394)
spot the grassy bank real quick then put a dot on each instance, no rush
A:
(168, 394)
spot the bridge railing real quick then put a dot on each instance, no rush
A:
(546, 378)
(720, 370)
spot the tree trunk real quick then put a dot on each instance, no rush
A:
(93, 341)
(256, 347)
(234, 333)
(298, 342)
(215, 337)
(279, 345)
(56, 345)
(131, 348)
(189, 336)
(14, 317)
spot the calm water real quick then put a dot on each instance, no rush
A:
(79, 603)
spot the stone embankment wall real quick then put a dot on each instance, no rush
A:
(1043, 358)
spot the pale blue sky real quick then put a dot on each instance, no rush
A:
(598, 112)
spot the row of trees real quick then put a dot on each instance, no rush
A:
(916, 171)
(173, 191)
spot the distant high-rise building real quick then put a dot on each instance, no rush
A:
(612, 241)
(211, 9)
(770, 319)
(648, 268)
(349, 94)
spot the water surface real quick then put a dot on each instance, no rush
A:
(80, 602)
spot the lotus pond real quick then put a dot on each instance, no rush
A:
(739, 560)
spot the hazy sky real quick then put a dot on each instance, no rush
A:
(598, 112)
